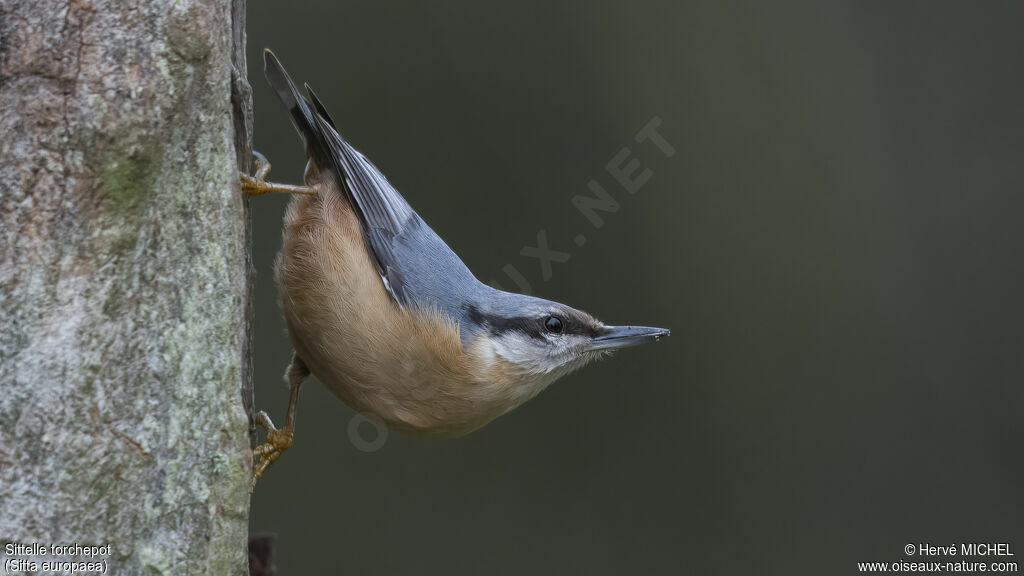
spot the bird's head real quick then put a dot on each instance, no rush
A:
(542, 340)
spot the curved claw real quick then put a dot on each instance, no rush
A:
(257, 185)
(262, 165)
(267, 453)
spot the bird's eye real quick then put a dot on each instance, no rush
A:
(553, 324)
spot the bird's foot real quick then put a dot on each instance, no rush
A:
(257, 185)
(277, 442)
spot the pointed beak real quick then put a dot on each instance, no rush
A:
(616, 337)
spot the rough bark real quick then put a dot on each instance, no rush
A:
(124, 281)
(241, 102)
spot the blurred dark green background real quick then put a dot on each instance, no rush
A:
(836, 244)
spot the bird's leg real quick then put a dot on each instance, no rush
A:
(257, 185)
(279, 440)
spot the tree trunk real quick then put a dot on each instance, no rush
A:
(124, 281)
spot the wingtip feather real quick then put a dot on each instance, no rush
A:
(319, 107)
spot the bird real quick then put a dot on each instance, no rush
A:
(387, 316)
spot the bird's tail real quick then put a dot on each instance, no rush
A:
(308, 121)
(383, 213)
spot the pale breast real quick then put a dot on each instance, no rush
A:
(408, 368)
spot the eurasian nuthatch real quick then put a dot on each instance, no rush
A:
(382, 311)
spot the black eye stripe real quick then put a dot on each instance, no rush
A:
(498, 325)
(533, 327)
